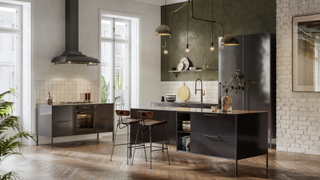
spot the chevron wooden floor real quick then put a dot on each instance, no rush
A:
(90, 160)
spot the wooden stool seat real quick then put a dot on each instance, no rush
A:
(150, 122)
(130, 121)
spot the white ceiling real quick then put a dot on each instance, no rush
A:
(159, 2)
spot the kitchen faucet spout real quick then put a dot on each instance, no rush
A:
(201, 90)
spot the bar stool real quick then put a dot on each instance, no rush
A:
(125, 122)
(149, 124)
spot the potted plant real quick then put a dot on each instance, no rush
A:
(226, 100)
(10, 145)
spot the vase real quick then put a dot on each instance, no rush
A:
(226, 103)
(205, 64)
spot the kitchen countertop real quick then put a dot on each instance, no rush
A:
(187, 102)
(199, 110)
(58, 104)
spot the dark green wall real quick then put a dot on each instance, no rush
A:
(239, 17)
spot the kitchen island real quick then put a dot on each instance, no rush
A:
(74, 119)
(233, 135)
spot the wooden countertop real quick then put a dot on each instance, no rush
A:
(198, 110)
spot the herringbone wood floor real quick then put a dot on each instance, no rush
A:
(90, 160)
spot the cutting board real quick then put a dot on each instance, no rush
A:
(183, 93)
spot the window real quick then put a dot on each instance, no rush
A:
(10, 53)
(15, 58)
(119, 61)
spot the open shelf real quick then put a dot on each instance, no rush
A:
(180, 132)
(175, 72)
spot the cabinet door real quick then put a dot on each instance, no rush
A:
(259, 68)
(104, 117)
(213, 124)
(62, 121)
(62, 128)
(213, 145)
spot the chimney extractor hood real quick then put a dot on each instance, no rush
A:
(72, 55)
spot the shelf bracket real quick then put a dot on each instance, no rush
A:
(175, 74)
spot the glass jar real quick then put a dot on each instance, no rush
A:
(205, 64)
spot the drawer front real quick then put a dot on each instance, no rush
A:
(213, 124)
(213, 145)
(62, 128)
(62, 113)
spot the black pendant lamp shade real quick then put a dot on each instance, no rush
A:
(72, 55)
(229, 40)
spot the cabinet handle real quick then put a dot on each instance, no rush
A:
(211, 115)
(62, 121)
(106, 105)
(217, 137)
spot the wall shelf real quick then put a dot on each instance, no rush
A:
(175, 72)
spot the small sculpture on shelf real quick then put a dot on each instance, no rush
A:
(226, 100)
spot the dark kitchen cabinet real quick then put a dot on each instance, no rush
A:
(104, 117)
(236, 135)
(255, 56)
(62, 121)
(67, 120)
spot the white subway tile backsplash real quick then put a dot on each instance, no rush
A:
(210, 87)
(65, 91)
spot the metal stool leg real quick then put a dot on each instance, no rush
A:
(150, 129)
(115, 135)
(165, 138)
(135, 145)
(127, 144)
(144, 146)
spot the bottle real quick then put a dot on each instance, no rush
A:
(50, 102)
(205, 64)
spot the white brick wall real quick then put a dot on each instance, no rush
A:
(298, 114)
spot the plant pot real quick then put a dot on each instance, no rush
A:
(226, 103)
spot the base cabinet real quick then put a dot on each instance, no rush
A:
(218, 146)
(64, 120)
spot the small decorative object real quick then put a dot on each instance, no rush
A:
(183, 93)
(180, 66)
(214, 108)
(50, 101)
(162, 98)
(186, 126)
(185, 62)
(173, 68)
(205, 64)
(226, 101)
(306, 53)
(170, 97)
(193, 68)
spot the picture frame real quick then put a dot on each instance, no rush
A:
(306, 53)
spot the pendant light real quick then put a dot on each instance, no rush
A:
(212, 43)
(165, 47)
(164, 30)
(187, 45)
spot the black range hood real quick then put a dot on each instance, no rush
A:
(72, 55)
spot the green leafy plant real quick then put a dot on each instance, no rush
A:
(242, 85)
(119, 84)
(119, 80)
(10, 145)
(105, 90)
